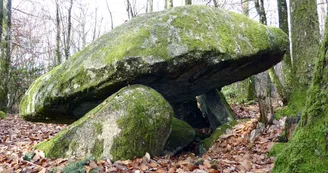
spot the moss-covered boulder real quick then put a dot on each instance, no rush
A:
(182, 134)
(181, 53)
(131, 122)
(3, 115)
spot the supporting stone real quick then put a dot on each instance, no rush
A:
(215, 107)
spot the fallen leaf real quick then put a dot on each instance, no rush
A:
(246, 164)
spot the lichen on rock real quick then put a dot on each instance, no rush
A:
(131, 122)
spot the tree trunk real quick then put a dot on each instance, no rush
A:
(58, 30)
(150, 6)
(305, 44)
(307, 151)
(111, 16)
(263, 96)
(188, 2)
(245, 7)
(3, 67)
(168, 4)
(305, 41)
(262, 80)
(287, 62)
(129, 8)
(282, 90)
(250, 82)
(95, 25)
(5, 59)
(69, 28)
(259, 6)
(215, 3)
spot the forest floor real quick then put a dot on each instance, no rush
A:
(235, 151)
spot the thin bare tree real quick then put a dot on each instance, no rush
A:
(150, 6)
(67, 42)
(168, 4)
(58, 39)
(110, 15)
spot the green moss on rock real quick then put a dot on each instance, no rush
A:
(98, 128)
(133, 121)
(3, 115)
(161, 50)
(57, 146)
(276, 149)
(306, 151)
(181, 135)
(207, 143)
(295, 105)
(98, 148)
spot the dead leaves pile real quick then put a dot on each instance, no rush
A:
(232, 152)
(238, 153)
(16, 140)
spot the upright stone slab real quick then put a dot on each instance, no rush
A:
(131, 122)
(181, 53)
(181, 135)
(216, 108)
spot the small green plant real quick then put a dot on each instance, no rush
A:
(29, 156)
(3, 115)
(77, 167)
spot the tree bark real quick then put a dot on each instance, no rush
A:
(5, 59)
(250, 82)
(259, 6)
(287, 62)
(69, 29)
(245, 7)
(188, 2)
(215, 3)
(130, 10)
(150, 6)
(305, 41)
(111, 16)
(263, 97)
(58, 30)
(168, 4)
(305, 44)
(307, 150)
(95, 25)
(262, 80)
(3, 66)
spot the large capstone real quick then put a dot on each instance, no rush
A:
(131, 122)
(181, 53)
